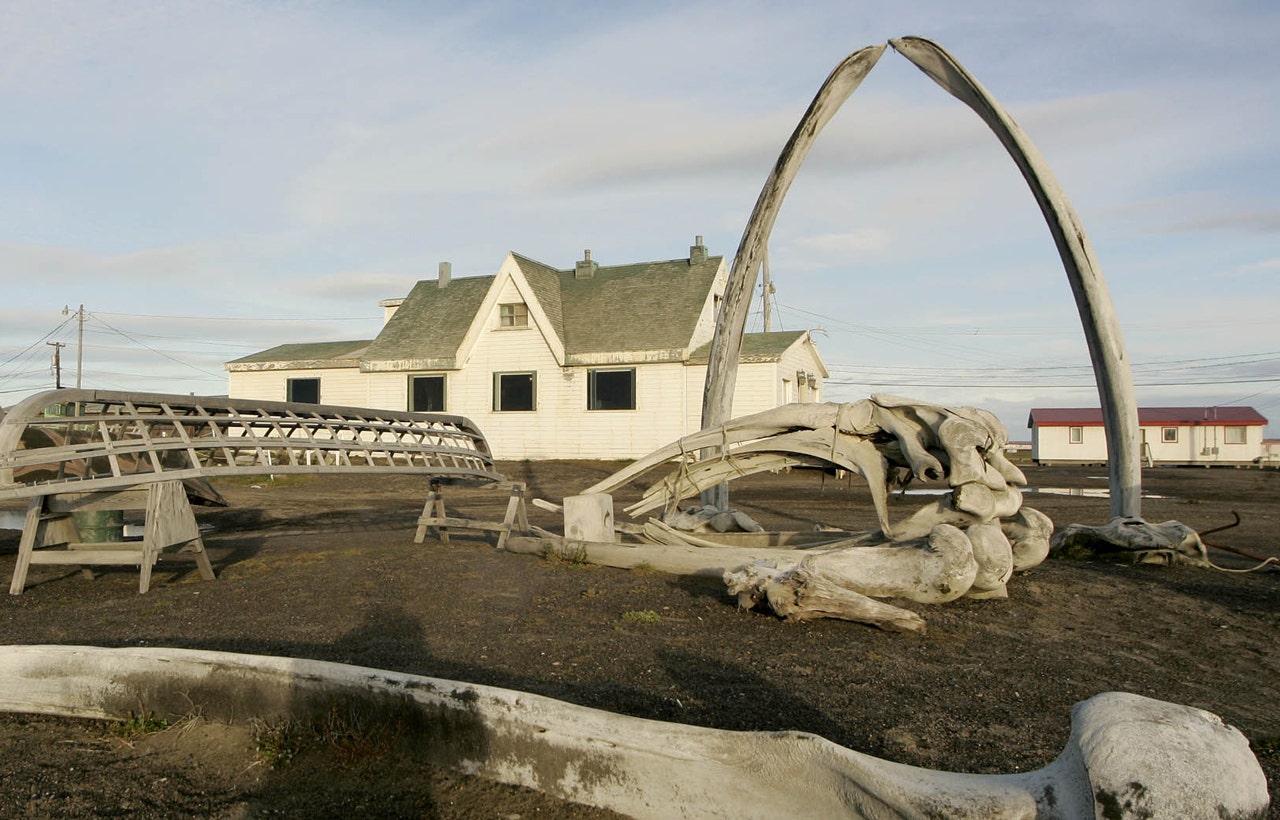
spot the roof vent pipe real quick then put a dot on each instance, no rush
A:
(585, 269)
(697, 251)
(446, 273)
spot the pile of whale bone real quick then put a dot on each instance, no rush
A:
(1127, 757)
(966, 542)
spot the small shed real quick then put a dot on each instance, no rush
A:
(1206, 436)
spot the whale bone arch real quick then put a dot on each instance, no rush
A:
(1093, 301)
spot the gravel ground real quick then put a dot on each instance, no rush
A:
(326, 568)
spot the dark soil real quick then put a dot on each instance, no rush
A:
(326, 568)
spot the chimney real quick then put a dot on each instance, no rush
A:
(585, 269)
(697, 252)
(446, 273)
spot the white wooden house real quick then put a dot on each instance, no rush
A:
(1170, 435)
(594, 361)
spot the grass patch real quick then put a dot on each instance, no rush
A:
(138, 725)
(641, 616)
(572, 553)
(344, 731)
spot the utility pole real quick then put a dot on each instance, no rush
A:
(79, 343)
(57, 363)
(766, 290)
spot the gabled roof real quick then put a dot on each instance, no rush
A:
(756, 347)
(427, 328)
(1149, 416)
(312, 355)
(545, 281)
(640, 312)
(652, 306)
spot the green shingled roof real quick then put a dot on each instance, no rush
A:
(316, 354)
(545, 281)
(425, 331)
(756, 347)
(651, 307)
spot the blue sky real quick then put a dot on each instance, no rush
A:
(211, 179)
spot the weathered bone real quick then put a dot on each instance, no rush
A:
(1128, 757)
(935, 571)
(929, 558)
(1097, 313)
(800, 594)
(1134, 540)
(726, 344)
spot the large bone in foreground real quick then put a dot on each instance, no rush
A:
(1128, 756)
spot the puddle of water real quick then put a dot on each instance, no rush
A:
(12, 519)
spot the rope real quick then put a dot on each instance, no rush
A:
(1265, 563)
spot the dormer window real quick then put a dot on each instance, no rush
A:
(515, 314)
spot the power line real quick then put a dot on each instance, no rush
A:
(157, 352)
(273, 320)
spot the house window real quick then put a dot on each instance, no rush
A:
(1076, 435)
(1237, 435)
(515, 314)
(515, 391)
(1169, 435)
(611, 389)
(426, 394)
(306, 391)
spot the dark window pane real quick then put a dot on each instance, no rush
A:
(306, 391)
(515, 391)
(612, 390)
(428, 394)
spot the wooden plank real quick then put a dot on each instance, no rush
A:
(463, 524)
(104, 557)
(130, 499)
(26, 546)
(515, 511)
(136, 546)
(170, 520)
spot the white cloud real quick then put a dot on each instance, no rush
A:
(72, 267)
(850, 246)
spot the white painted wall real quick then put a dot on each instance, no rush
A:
(668, 394)
(1194, 445)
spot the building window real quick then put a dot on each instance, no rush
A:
(1075, 435)
(1169, 435)
(1237, 435)
(514, 392)
(426, 394)
(611, 389)
(515, 314)
(306, 391)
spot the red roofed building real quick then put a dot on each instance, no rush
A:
(1170, 435)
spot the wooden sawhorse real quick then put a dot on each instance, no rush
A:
(169, 522)
(435, 517)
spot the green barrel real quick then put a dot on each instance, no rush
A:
(99, 526)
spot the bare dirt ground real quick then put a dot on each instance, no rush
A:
(326, 568)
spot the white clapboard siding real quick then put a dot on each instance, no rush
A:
(338, 385)
(1194, 444)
